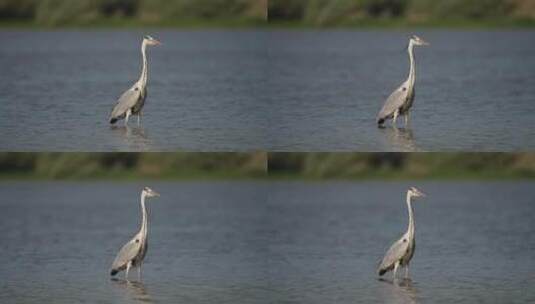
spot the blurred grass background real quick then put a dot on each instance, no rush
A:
(450, 13)
(256, 165)
(133, 12)
(132, 165)
(225, 13)
(402, 165)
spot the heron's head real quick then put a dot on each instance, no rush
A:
(415, 40)
(150, 41)
(413, 192)
(148, 192)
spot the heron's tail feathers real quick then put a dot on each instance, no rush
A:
(380, 121)
(113, 120)
(114, 272)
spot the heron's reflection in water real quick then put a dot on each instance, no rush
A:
(134, 290)
(401, 139)
(399, 291)
(135, 137)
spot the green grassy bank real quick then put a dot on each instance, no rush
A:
(299, 166)
(132, 13)
(90, 14)
(399, 166)
(402, 13)
(129, 166)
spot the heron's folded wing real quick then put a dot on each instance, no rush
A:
(394, 102)
(129, 251)
(395, 253)
(125, 102)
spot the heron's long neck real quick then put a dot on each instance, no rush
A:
(412, 71)
(144, 219)
(144, 71)
(410, 230)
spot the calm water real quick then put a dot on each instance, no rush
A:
(58, 89)
(267, 242)
(272, 90)
(475, 90)
(474, 242)
(59, 240)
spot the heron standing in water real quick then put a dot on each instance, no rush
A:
(400, 101)
(401, 252)
(132, 101)
(133, 252)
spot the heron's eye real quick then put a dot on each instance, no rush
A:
(404, 240)
(404, 89)
(136, 89)
(137, 241)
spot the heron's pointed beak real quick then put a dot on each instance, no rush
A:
(425, 43)
(157, 42)
(156, 194)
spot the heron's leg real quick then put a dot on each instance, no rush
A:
(139, 273)
(407, 119)
(395, 270)
(407, 271)
(138, 119)
(128, 265)
(395, 118)
(128, 113)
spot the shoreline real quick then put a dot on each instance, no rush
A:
(400, 24)
(387, 24)
(272, 177)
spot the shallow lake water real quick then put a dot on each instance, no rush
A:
(474, 242)
(58, 89)
(59, 240)
(275, 90)
(267, 242)
(474, 90)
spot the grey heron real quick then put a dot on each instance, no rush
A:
(133, 252)
(401, 100)
(401, 252)
(131, 102)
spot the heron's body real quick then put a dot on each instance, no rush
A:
(132, 101)
(402, 251)
(133, 253)
(401, 100)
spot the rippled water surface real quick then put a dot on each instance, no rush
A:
(59, 240)
(474, 242)
(474, 90)
(267, 89)
(58, 89)
(267, 242)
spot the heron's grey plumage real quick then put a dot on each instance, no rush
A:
(133, 253)
(401, 100)
(130, 252)
(132, 100)
(402, 251)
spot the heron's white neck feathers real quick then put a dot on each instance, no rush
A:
(144, 70)
(412, 70)
(410, 229)
(144, 215)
